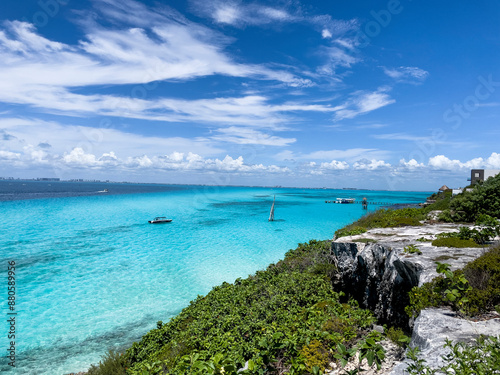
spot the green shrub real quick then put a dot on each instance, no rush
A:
(383, 218)
(351, 231)
(412, 249)
(424, 297)
(442, 203)
(315, 355)
(268, 319)
(112, 363)
(484, 199)
(483, 275)
(397, 336)
(453, 242)
(471, 291)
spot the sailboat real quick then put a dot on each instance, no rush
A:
(271, 215)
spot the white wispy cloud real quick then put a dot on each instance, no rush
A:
(349, 155)
(239, 14)
(409, 74)
(424, 142)
(336, 57)
(99, 140)
(327, 25)
(363, 102)
(240, 135)
(43, 73)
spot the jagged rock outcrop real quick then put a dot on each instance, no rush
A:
(377, 278)
(379, 274)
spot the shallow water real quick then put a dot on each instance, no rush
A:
(92, 274)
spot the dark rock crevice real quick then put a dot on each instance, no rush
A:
(377, 278)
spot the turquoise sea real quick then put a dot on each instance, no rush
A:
(92, 274)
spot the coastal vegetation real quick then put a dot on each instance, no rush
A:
(384, 218)
(286, 319)
(289, 319)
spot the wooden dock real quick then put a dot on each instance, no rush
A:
(363, 203)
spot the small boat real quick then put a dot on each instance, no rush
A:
(159, 220)
(271, 214)
(345, 200)
(103, 191)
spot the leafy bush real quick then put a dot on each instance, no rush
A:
(112, 363)
(488, 228)
(286, 318)
(484, 199)
(471, 291)
(315, 355)
(442, 203)
(483, 275)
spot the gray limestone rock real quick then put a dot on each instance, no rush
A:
(434, 326)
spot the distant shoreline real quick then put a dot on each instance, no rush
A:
(3, 179)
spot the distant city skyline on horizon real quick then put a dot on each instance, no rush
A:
(393, 95)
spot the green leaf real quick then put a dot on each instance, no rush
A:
(369, 357)
(251, 365)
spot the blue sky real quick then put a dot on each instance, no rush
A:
(399, 95)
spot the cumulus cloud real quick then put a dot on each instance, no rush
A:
(78, 157)
(370, 165)
(411, 164)
(8, 155)
(444, 163)
(334, 165)
(176, 161)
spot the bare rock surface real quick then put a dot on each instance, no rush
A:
(434, 326)
(397, 239)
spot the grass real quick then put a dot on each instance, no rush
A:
(385, 218)
(454, 242)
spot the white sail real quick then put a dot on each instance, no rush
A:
(271, 215)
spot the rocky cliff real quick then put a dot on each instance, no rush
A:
(375, 270)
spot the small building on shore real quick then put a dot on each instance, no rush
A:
(477, 175)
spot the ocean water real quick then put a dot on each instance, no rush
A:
(93, 274)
